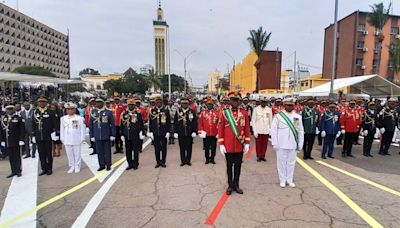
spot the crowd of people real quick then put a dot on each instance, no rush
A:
(124, 123)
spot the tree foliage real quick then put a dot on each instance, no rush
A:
(177, 83)
(34, 70)
(89, 71)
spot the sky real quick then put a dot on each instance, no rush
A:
(113, 35)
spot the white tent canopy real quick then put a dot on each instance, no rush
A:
(372, 85)
(8, 76)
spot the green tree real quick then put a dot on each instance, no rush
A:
(89, 71)
(130, 72)
(154, 80)
(378, 18)
(177, 83)
(394, 59)
(113, 86)
(258, 40)
(34, 70)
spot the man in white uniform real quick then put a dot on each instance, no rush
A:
(261, 121)
(72, 134)
(287, 136)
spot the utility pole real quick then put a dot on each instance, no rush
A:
(331, 94)
(169, 66)
(294, 72)
(185, 58)
(231, 76)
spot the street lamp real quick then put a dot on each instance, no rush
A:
(233, 68)
(331, 94)
(185, 58)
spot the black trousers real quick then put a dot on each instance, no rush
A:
(132, 146)
(185, 146)
(28, 138)
(233, 168)
(103, 149)
(386, 141)
(45, 154)
(93, 147)
(160, 146)
(118, 141)
(15, 159)
(339, 140)
(349, 139)
(319, 139)
(308, 144)
(368, 140)
(210, 146)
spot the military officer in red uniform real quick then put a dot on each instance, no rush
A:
(208, 130)
(350, 121)
(234, 140)
(117, 109)
(277, 107)
(88, 110)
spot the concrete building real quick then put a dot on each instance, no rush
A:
(27, 42)
(96, 82)
(357, 50)
(160, 41)
(312, 81)
(244, 74)
(213, 81)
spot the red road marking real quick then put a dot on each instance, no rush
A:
(249, 153)
(217, 209)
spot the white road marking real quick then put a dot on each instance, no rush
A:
(22, 195)
(87, 213)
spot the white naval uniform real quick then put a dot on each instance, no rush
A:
(72, 134)
(284, 143)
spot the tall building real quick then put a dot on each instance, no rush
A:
(27, 42)
(244, 74)
(357, 50)
(213, 80)
(160, 41)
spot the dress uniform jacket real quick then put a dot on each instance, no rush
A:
(131, 125)
(281, 134)
(185, 122)
(208, 122)
(44, 123)
(330, 122)
(72, 130)
(388, 119)
(350, 120)
(226, 136)
(261, 120)
(143, 112)
(369, 121)
(160, 122)
(117, 110)
(101, 124)
(310, 118)
(12, 130)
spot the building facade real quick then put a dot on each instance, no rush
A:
(357, 51)
(160, 42)
(312, 81)
(244, 74)
(96, 82)
(27, 42)
(213, 81)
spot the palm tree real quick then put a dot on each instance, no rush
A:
(394, 59)
(154, 80)
(378, 18)
(258, 42)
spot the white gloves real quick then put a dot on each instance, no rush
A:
(33, 139)
(276, 148)
(222, 149)
(112, 138)
(123, 138)
(91, 139)
(3, 144)
(176, 136)
(323, 134)
(54, 137)
(343, 131)
(151, 136)
(383, 130)
(365, 132)
(316, 131)
(194, 135)
(246, 148)
(255, 135)
(141, 135)
(203, 134)
(338, 134)
(167, 135)
(21, 143)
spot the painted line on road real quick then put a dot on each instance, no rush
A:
(58, 197)
(221, 203)
(357, 209)
(22, 195)
(374, 184)
(87, 213)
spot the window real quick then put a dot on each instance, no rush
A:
(360, 44)
(361, 27)
(394, 30)
(359, 62)
(375, 63)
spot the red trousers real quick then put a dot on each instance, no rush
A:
(261, 145)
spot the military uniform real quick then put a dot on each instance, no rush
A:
(44, 125)
(387, 122)
(369, 129)
(261, 121)
(208, 129)
(117, 110)
(143, 112)
(12, 135)
(159, 128)
(102, 132)
(185, 126)
(310, 117)
(330, 128)
(132, 127)
(350, 121)
(172, 112)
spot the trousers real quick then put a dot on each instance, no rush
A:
(261, 145)
(308, 144)
(14, 154)
(286, 161)
(185, 146)
(132, 146)
(74, 156)
(328, 145)
(210, 147)
(103, 149)
(45, 154)
(160, 146)
(233, 168)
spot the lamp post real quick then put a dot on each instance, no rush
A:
(185, 58)
(331, 94)
(233, 68)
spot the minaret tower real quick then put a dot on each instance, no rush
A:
(160, 41)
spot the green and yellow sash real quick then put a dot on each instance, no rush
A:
(291, 126)
(232, 124)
